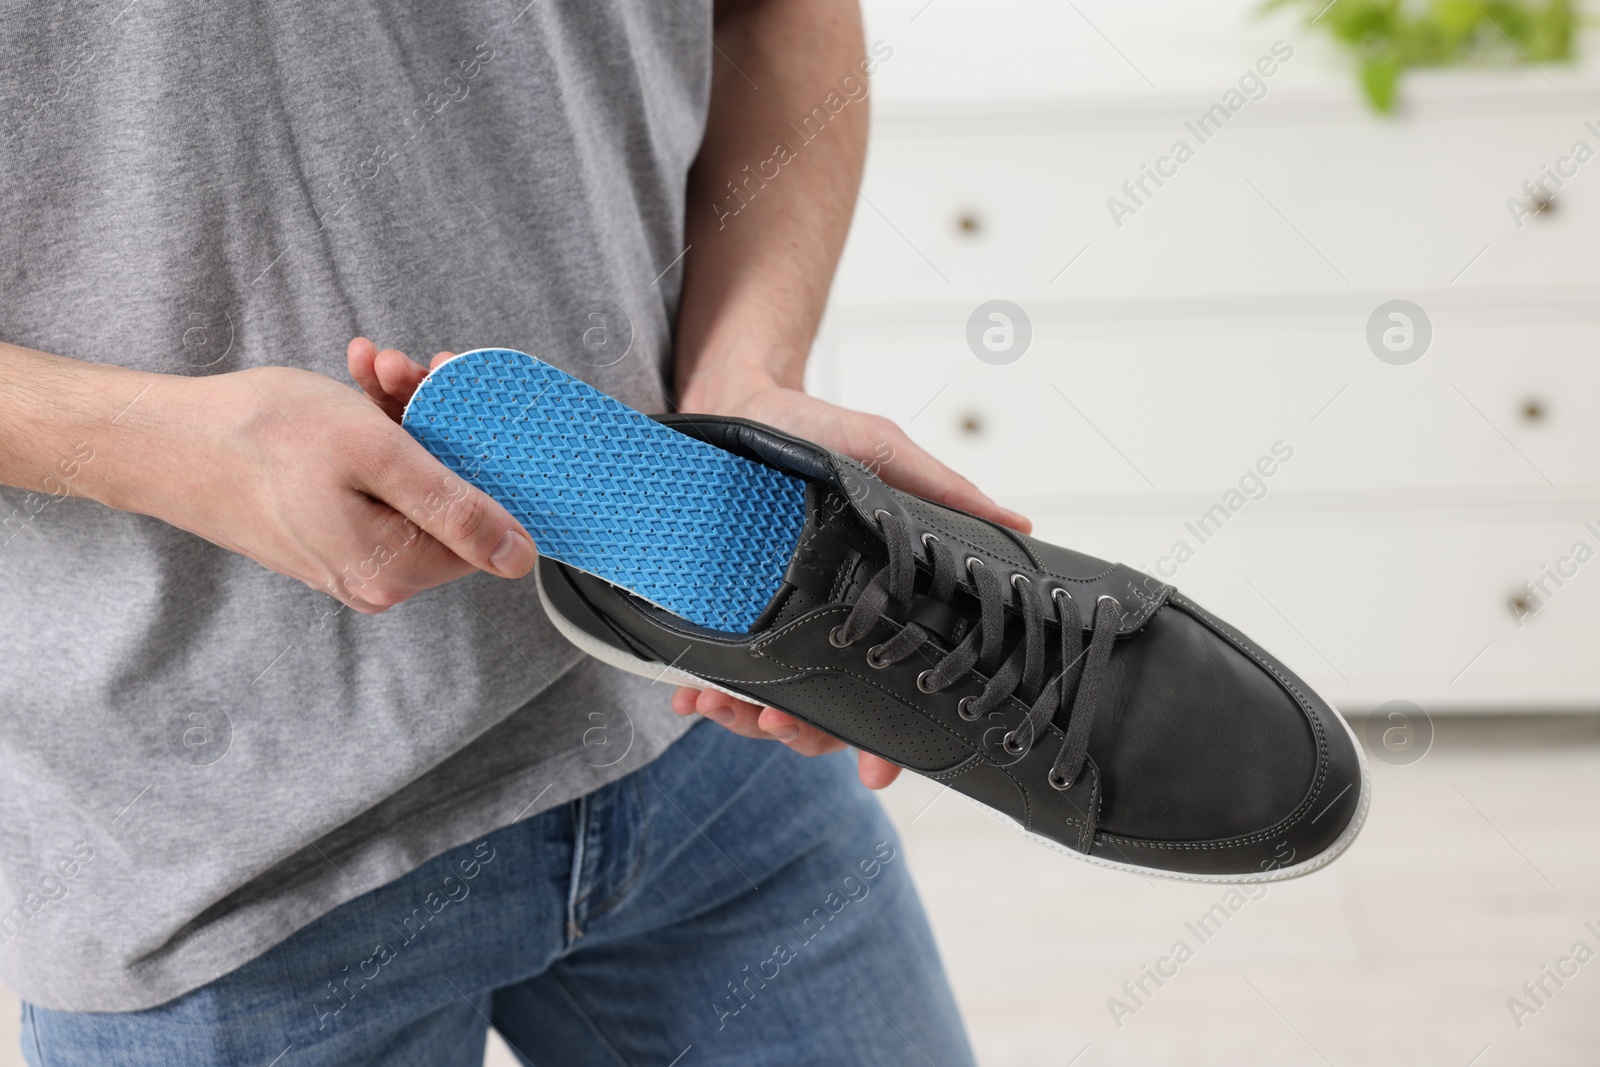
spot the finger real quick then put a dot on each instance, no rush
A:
(731, 713)
(398, 375)
(802, 738)
(391, 571)
(911, 467)
(417, 568)
(755, 722)
(441, 358)
(875, 772)
(359, 356)
(387, 560)
(342, 596)
(380, 375)
(465, 520)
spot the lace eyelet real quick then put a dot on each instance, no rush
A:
(1060, 783)
(923, 685)
(1019, 580)
(874, 659)
(880, 514)
(929, 539)
(836, 638)
(974, 561)
(964, 709)
(1058, 594)
(1010, 743)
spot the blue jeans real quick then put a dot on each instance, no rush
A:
(731, 903)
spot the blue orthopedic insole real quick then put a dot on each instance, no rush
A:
(703, 533)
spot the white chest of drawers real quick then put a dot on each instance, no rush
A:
(1420, 539)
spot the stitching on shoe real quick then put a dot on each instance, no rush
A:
(738, 682)
(1110, 567)
(1086, 832)
(1085, 836)
(1027, 797)
(1132, 622)
(1289, 821)
(1053, 733)
(1029, 558)
(949, 772)
(1324, 756)
(841, 580)
(759, 647)
(800, 672)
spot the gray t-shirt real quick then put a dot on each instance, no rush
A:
(197, 755)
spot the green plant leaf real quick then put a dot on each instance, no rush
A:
(1379, 79)
(1390, 37)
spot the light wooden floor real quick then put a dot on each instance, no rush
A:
(1479, 865)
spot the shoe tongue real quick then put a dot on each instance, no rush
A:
(835, 557)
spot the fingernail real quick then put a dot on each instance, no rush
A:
(784, 733)
(514, 556)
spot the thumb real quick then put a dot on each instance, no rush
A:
(463, 518)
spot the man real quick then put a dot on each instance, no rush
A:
(249, 821)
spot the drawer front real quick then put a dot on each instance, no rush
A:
(1100, 408)
(1276, 202)
(1387, 605)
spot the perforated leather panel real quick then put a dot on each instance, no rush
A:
(977, 534)
(853, 709)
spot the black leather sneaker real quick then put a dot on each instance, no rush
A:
(1092, 706)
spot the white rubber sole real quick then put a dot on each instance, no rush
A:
(675, 676)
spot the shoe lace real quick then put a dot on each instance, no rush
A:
(888, 597)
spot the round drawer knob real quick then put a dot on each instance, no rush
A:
(1522, 606)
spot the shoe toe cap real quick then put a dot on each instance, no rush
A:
(1216, 759)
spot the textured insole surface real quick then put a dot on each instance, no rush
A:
(703, 533)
